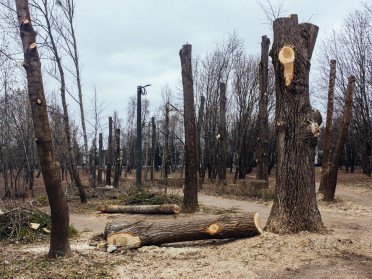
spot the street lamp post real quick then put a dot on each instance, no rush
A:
(141, 90)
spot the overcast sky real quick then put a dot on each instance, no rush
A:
(125, 43)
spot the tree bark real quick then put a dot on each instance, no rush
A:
(153, 142)
(330, 188)
(263, 126)
(59, 242)
(297, 129)
(190, 199)
(328, 127)
(117, 158)
(109, 159)
(100, 158)
(141, 209)
(155, 232)
(166, 147)
(222, 136)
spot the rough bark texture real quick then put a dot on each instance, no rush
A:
(141, 209)
(100, 159)
(59, 242)
(330, 188)
(190, 199)
(135, 234)
(297, 129)
(109, 157)
(328, 127)
(263, 126)
(222, 148)
(117, 158)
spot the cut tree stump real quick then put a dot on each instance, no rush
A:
(135, 234)
(141, 209)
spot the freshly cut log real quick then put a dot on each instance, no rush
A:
(135, 234)
(141, 209)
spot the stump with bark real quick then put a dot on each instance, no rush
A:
(134, 234)
(297, 129)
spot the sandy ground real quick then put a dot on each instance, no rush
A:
(345, 252)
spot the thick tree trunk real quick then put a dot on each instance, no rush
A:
(330, 187)
(328, 127)
(100, 159)
(297, 129)
(109, 159)
(141, 209)
(263, 126)
(222, 136)
(190, 199)
(59, 242)
(155, 232)
(117, 158)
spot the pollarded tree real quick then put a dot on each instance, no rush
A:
(297, 129)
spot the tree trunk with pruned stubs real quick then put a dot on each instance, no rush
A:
(59, 241)
(295, 207)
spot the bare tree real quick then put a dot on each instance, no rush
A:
(330, 187)
(263, 118)
(67, 32)
(328, 127)
(190, 200)
(59, 242)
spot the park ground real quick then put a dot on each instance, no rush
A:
(344, 252)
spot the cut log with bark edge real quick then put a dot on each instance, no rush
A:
(141, 209)
(134, 234)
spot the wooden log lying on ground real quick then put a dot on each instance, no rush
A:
(135, 234)
(141, 209)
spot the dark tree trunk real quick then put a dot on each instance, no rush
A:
(166, 147)
(297, 129)
(59, 242)
(263, 121)
(222, 136)
(153, 142)
(328, 127)
(190, 199)
(109, 159)
(330, 187)
(117, 158)
(100, 158)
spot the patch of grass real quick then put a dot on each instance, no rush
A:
(42, 201)
(146, 197)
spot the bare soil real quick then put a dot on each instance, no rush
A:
(344, 252)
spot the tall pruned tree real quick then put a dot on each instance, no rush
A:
(59, 241)
(297, 129)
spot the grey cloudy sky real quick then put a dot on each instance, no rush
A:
(134, 42)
